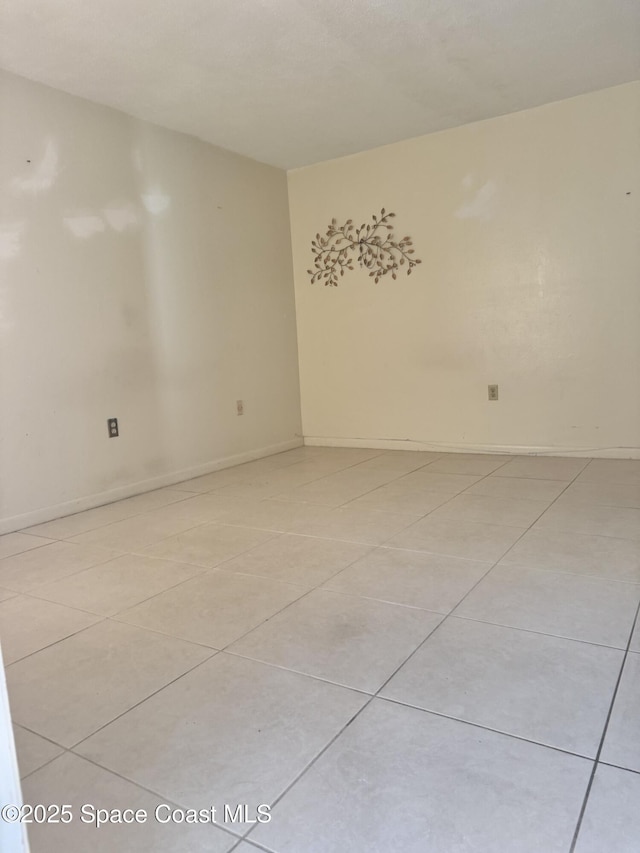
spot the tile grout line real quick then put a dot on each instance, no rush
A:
(369, 701)
(604, 734)
(383, 545)
(101, 562)
(114, 616)
(486, 728)
(444, 503)
(23, 530)
(161, 798)
(524, 532)
(539, 633)
(301, 485)
(276, 534)
(33, 593)
(313, 589)
(382, 686)
(214, 652)
(99, 621)
(188, 496)
(75, 745)
(302, 773)
(346, 503)
(371, 696)
(619, 766)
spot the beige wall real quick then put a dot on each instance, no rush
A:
(143, 275)
(528, 228)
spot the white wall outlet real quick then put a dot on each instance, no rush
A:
(493, 392)
(240, 407)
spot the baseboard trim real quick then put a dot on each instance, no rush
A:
(520, 450)
(49, 513)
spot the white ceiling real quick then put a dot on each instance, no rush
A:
(292, 82)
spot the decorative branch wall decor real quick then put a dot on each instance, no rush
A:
(373, 244)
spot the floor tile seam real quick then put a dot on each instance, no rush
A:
(604, 732)
(315, 479)
(508, 457)
(252, 845)
(431, 633)
(209, 659)
(426, 515)
(571, 501)
(539, 633)
(119, 620)
(26, 531)
(486, 728)
(173, 586)
(376, 694)
(216, 489)
(377, 697)
(444, 503)
(181, 676)
(74, 746)
(517, 566)
(337, 735)
(424, 552)
(203, 569)
(529, 526)
(118, 617)
(574, 532)
(293, 531)
(502, 557)
(324, 476)
(601, 763)
(298, 777)
(605, 482)
(370, 697)
(49, 740)
(532, 479)
(46, 763)
(70, 539)
(344, 504)
(490, 566)
(32, 590)
(72, 749)
(229, 650)
(386, 601)
(220, 567)
(160, 797)
(306, 593)
(187, 496)
(99, 620)
(294, 583)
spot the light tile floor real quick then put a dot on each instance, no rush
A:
(398, 652)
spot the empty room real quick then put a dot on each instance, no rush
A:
(319, 426)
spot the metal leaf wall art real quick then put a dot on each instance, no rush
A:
(372, 245)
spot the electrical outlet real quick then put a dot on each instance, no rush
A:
(112, 425)
(493, 392)
(239, 407)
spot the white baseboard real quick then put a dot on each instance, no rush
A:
(438, 447)
(49, 513)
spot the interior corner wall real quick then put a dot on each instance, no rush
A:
(144, 275)
(528, 227)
